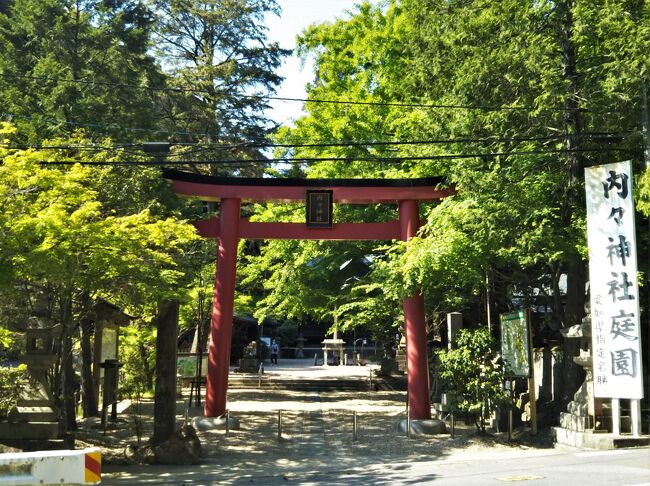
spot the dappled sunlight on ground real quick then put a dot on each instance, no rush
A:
(317, 437)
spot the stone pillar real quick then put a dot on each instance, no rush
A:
(416, 336)
(222, 310)
(454, 324)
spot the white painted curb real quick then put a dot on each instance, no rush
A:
(51, 467)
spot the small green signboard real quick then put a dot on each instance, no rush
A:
(515, 344)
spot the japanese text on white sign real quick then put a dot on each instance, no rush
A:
(616, 335)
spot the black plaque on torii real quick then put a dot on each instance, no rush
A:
(319, 208)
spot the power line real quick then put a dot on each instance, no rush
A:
(451, 106)
(269, 144)
(600, 136)
(293, 160)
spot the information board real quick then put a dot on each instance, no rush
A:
(515, 344)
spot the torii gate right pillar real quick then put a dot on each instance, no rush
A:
(416, 335)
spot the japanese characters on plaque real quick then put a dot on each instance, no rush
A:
(615, 329)
(319, 208)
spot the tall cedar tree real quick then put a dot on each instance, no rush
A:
(70, 64)
(217, 56)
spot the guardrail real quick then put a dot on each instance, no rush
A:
(51, 467)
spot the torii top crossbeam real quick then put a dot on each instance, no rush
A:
(345, 191)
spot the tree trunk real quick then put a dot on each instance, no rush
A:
(87, 382)
(164, 421)
(68, 379)
(574, 191)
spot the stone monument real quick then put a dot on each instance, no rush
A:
(580, 414)
(300, 351)
(335, 347)
(248, 364)
(34, 423)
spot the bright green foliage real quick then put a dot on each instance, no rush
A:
(543, 89)
(470, 377)
(56, 229)
(61, 236)
(642, 194)
(137, 352)
(12, 383)
(11, 344)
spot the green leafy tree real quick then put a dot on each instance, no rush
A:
(470, 376)
(139, 358)
(58, 239)
(527, 93)
(70, 64)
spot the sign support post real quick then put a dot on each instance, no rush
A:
(532, 388)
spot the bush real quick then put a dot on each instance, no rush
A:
(12, 383)
(470, 375)
(138, 354)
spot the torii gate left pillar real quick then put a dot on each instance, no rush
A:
(229, 228)
(222, 309)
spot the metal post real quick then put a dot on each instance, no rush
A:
(532, 386)
(509, 424)
(354, 425)
(509, 387)
(279, 425)
(635, 416)
(408, 422)
(616, 416)
(453, 425)
(227, 421)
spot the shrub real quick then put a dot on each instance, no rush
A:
(138, 353)
(12, 383)
(470, 375)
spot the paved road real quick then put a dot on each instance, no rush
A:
(629, 467)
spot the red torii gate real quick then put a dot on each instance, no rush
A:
(230, 227)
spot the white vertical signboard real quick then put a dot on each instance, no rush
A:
(615, 330)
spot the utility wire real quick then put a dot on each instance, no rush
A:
(290, 160)
(300, 100)
(602, 136)
(265, 143)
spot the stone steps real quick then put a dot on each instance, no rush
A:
(30, 445)
(590, 440)
(33, 414)
(29, 430)
(34, 403)
(305, 385)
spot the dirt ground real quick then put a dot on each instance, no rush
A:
(316, 426)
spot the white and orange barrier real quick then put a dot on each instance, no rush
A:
(51, 467)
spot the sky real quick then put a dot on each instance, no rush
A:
(296, 16)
